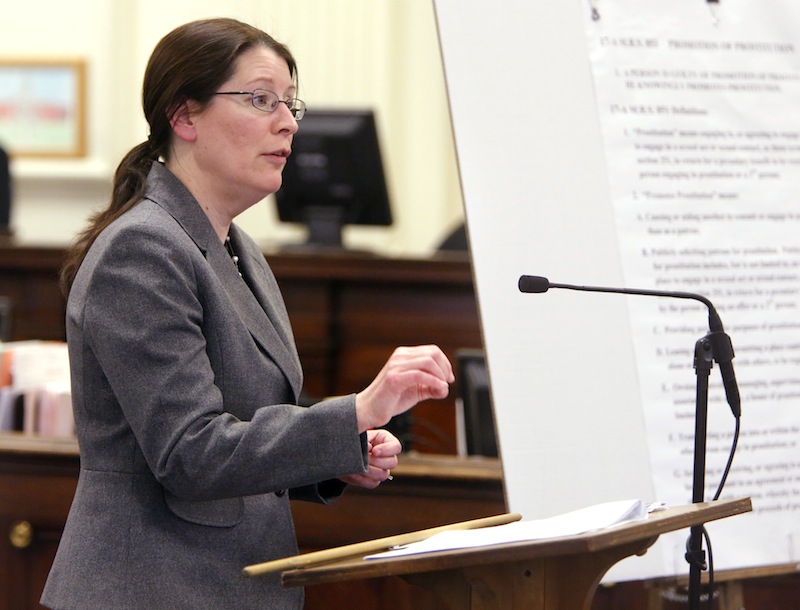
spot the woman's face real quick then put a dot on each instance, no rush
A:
(240, 151)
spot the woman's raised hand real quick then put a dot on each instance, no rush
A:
(411, 375)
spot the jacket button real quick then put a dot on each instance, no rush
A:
(280, 493)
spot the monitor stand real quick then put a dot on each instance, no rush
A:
(324, 227)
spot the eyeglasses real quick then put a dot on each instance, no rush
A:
(267, 101)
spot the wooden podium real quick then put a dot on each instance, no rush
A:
(554, 574)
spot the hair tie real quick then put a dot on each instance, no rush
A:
(150, 146)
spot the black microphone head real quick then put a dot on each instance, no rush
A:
(533, 283)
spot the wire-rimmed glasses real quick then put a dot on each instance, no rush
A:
(267, 101)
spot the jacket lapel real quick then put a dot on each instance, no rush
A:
(261, 309)
(263, 314)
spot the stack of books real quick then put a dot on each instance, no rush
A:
(35, 393)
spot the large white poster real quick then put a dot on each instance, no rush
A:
(691, 118)
(699, 117)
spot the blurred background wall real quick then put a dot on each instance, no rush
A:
(379, 54)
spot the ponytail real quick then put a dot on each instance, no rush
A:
(128, 189)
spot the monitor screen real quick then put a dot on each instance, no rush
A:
(476, 397)
(5, 193)
(334, 176)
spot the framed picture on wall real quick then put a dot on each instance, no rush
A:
(42, 110)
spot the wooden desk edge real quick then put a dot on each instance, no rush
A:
(21, 443)
(413, 464)
(437, 466)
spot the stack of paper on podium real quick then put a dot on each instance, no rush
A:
(581, 521)
(35, 395)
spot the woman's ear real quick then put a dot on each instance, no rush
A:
(181, 121)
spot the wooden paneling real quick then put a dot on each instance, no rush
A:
(348, 312)
(37, 482)
(373, 305)
(29, 278)
(426, 491)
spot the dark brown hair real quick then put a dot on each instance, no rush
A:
(189, 63)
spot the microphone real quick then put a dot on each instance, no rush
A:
(723, 348)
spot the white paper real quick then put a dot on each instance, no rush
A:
(576, 522)
(35, 365)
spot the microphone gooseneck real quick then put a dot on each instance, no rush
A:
(535, 283)
(721, 342)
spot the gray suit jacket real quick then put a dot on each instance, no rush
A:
(185, 381)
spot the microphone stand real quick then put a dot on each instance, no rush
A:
(695, 556)
(716, 345)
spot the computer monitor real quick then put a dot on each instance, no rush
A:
(334, 176)
(5, 194)
(476, 398)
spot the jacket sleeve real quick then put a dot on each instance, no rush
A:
(324, 492)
